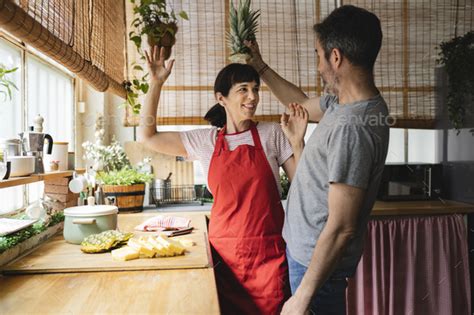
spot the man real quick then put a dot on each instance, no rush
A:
(338, 175)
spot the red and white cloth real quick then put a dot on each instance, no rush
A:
(162, 223)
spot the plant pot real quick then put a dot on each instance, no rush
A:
(21, 248)
(167, 40)
(128, 198)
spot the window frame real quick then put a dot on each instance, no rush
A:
(25, 53)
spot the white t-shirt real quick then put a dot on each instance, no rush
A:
(200, 143)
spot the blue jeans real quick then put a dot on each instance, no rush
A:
(331, 297)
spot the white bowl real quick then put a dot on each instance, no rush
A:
(22, 165)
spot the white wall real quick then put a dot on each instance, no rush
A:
(85, 122)
(114, 117)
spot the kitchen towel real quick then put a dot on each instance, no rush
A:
(163, 223)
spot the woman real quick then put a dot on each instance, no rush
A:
(242, 161)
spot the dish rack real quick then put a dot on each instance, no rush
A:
(174, 195)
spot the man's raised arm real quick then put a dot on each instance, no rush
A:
(285, 91)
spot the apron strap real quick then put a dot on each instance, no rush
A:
(221, 144)
(256, 137)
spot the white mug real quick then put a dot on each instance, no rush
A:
(35, 211)
(78, 184)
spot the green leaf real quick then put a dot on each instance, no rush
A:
(11, 70)
(183, 15)
(138, 67)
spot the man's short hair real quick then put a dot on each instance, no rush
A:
(356, 32)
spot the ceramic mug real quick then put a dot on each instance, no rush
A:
(35, 211)
(78, 184)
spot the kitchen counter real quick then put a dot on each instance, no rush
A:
(177, 291)
(381, 208)
(424, 207)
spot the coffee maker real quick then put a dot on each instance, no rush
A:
(33, 143)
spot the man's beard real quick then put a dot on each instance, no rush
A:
(331, 88)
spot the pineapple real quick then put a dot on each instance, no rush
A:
(243, 26)
(105, 241)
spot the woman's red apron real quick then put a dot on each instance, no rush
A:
(245, 230)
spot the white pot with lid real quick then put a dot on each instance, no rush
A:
(82, 221)
(11, 146)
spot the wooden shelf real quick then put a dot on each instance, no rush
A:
(16, 181)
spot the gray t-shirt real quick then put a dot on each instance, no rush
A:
(348, 146)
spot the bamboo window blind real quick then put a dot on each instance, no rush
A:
(86, 36)
(404, 70)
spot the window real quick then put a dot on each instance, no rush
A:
(11, 118)
(415, 146)
(43, 89)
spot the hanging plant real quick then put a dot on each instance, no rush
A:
(6, 85)
(135, 88)
(457, 55)
(154, 20)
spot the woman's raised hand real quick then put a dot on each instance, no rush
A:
(294, 124)
(158, 69)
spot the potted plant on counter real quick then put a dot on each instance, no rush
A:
(127, 186)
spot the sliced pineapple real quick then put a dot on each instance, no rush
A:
(125, 253)
(186, 242)
(105, 241)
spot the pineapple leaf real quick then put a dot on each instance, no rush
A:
(243, 24)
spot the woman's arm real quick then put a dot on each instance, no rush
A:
(294, 126)
(164, 142)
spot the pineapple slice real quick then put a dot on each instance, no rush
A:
(160, 249)
(186, 242)
(147, 249)
(141, 248)
(125, 253)
(171, 245)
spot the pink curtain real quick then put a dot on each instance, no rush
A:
(413, 265)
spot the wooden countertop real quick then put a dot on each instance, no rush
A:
(428, 207)
(191, 291)
(177, 291)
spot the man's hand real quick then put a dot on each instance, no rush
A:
(294, 125)
(256, 61)
(158, 70)
(295, 306)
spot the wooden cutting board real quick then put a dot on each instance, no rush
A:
(56, 255)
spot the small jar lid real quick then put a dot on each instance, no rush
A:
(87, 211)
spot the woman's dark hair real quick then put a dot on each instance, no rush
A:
(227, 77)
